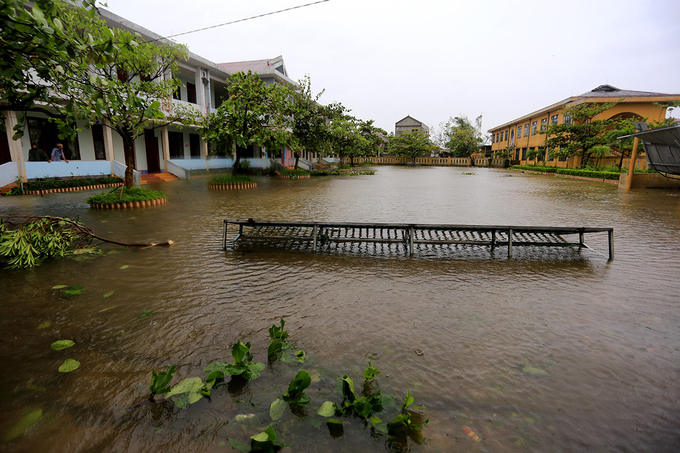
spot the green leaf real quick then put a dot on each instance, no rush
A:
(109, 294)
(332, 421)
(62, 344)
(277, 408)
(59, 286)
(327, 409)
(45, 325)
(125, 266)
(145, 314)
(262, 437)
(27, 422)
(108, 308)
(69, 365)
(188, 391)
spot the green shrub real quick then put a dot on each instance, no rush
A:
(60, 183)
(588, 173)
(541, 169)
(231, 179)
(129, 195)
(298, 172)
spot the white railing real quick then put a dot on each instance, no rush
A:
(9, 173)
(119, 170)
(36, 170)
(198, 108)
(220, 162)
(177, 170)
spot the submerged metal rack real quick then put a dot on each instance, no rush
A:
(315, 236)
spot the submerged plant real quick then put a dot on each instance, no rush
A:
(403, 420)
(279, 348)
(294, 395)
(243, 365)
(266, 441)
(160, 382)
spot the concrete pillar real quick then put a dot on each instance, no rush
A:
(204, 153)
(15, 148)
(165, 139)
(631, 166)
(108, 145)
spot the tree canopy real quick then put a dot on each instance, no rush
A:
(254, 114)
(36, 46)
(582, 135)
(461, 136)
(412, 144)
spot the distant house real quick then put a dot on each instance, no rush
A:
(523, 133)
(410, 124)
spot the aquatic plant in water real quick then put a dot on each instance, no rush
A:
(279, 348)
(243, 365)
(294, 395)
(160, 382)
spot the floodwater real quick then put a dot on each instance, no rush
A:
(544, 352)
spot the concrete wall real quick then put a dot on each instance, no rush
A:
(649, 181)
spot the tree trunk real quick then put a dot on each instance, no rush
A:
(129, 150)
(297, 159)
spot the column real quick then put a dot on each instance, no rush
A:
(15, 148)
(165, 139)
(108, 145)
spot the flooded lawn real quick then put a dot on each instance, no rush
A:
(550, 351)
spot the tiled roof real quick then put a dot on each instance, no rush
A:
(603, 91)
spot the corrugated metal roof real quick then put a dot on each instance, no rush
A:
(662, 148)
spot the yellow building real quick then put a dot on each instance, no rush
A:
(523, 132)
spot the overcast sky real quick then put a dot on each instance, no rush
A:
(433, 59)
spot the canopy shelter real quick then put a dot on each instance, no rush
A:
(662, 147)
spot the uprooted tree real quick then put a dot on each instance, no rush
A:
(26, 241)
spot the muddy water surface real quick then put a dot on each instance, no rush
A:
(545, 352)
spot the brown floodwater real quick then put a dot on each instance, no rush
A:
(549, 351)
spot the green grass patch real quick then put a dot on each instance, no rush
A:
(342, 173)
(129, 195)
(63, 183)
(298, 172)
(597, 174)
(231, 179)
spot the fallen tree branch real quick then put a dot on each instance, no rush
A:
(35, 238)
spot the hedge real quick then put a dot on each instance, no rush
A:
(230, 180)
(571, 172)
(129, 195)
(59, 183)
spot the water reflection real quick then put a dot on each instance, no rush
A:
(549, 353)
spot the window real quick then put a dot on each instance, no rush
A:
(553, 119)
(524, 154)
(176, 142)
(519, 132)
(177, 94)
(191, 93)
(534, 126)
(492, 138)
(526, 130)
(98, 141)
(544, 124)
(566, 119)
(506, 136)
(45, 134)
(195, 146)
